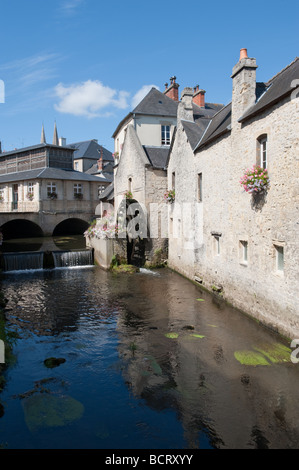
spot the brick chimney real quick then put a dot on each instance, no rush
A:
(100, 161)
(199, 97)
(172, 91)
(100, 164)
(244, 85)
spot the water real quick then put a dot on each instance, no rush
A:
(147, 365)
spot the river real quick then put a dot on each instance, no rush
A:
(147, 361)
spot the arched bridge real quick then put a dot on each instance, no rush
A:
(27, 225)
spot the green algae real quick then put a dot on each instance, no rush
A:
(276, 353)
(49, 411)
(172, 335)
(251, 358)
(197, 336)
(200, 300)
(266, 354)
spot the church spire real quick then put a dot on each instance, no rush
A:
(43, 136)
(55, 136)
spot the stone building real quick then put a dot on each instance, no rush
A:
(142, 143)
(41, 193)
(244, 246)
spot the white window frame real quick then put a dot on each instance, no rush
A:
(78, 188)
(51, 188)
(165, 134)
(263, 152)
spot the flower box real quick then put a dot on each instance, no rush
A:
(255, 180)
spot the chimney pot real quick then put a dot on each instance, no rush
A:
(172, 90)
(199, 97)
(243, 54)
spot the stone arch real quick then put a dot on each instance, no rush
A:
(72, 226)
(21, 228)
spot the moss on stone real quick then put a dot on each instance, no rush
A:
(125, 268)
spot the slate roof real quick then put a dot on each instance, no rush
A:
(195, 130)
(49, 173)
(108, 194)
(107, 170)
(155, 103)
(34, 147)
(157, 155)
(277, 88)
(90, 149)
(217, 126)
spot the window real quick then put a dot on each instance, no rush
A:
(51, 190)
(165, 135)
(76, 166)
(1, 194)
(217, 237)
(244, 251)
(30, 188)
(101, 189)
(173, 180)
(262, 151)
(78, 191)
(217, 245)
(199, 187)
(279, 252)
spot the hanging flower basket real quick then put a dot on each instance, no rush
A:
(104, 228)
(169, 196)
(30, 196)
(52, 195)
(255, 180)
(78, 196)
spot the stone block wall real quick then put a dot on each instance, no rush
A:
(230, 218)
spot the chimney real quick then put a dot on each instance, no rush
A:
(244, 85)
(172, 91)
(0, 147)
(62, 141)
(100, 161)
(100, 164)
(185, 108)
(199, 97)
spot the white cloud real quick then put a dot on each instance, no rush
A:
(88, 99)
(69, 6)
(141, 94)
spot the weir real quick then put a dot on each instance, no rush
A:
(30, 261)
(72, 258)
(22, 261)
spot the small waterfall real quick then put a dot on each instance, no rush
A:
(23, 261)
(68, 259)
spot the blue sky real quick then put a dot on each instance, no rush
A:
(85, 63)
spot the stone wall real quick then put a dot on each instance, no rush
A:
(230, 218)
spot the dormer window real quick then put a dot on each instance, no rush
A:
(165, 135)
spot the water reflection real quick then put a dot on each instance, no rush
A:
(152, 360)
(64, 243)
